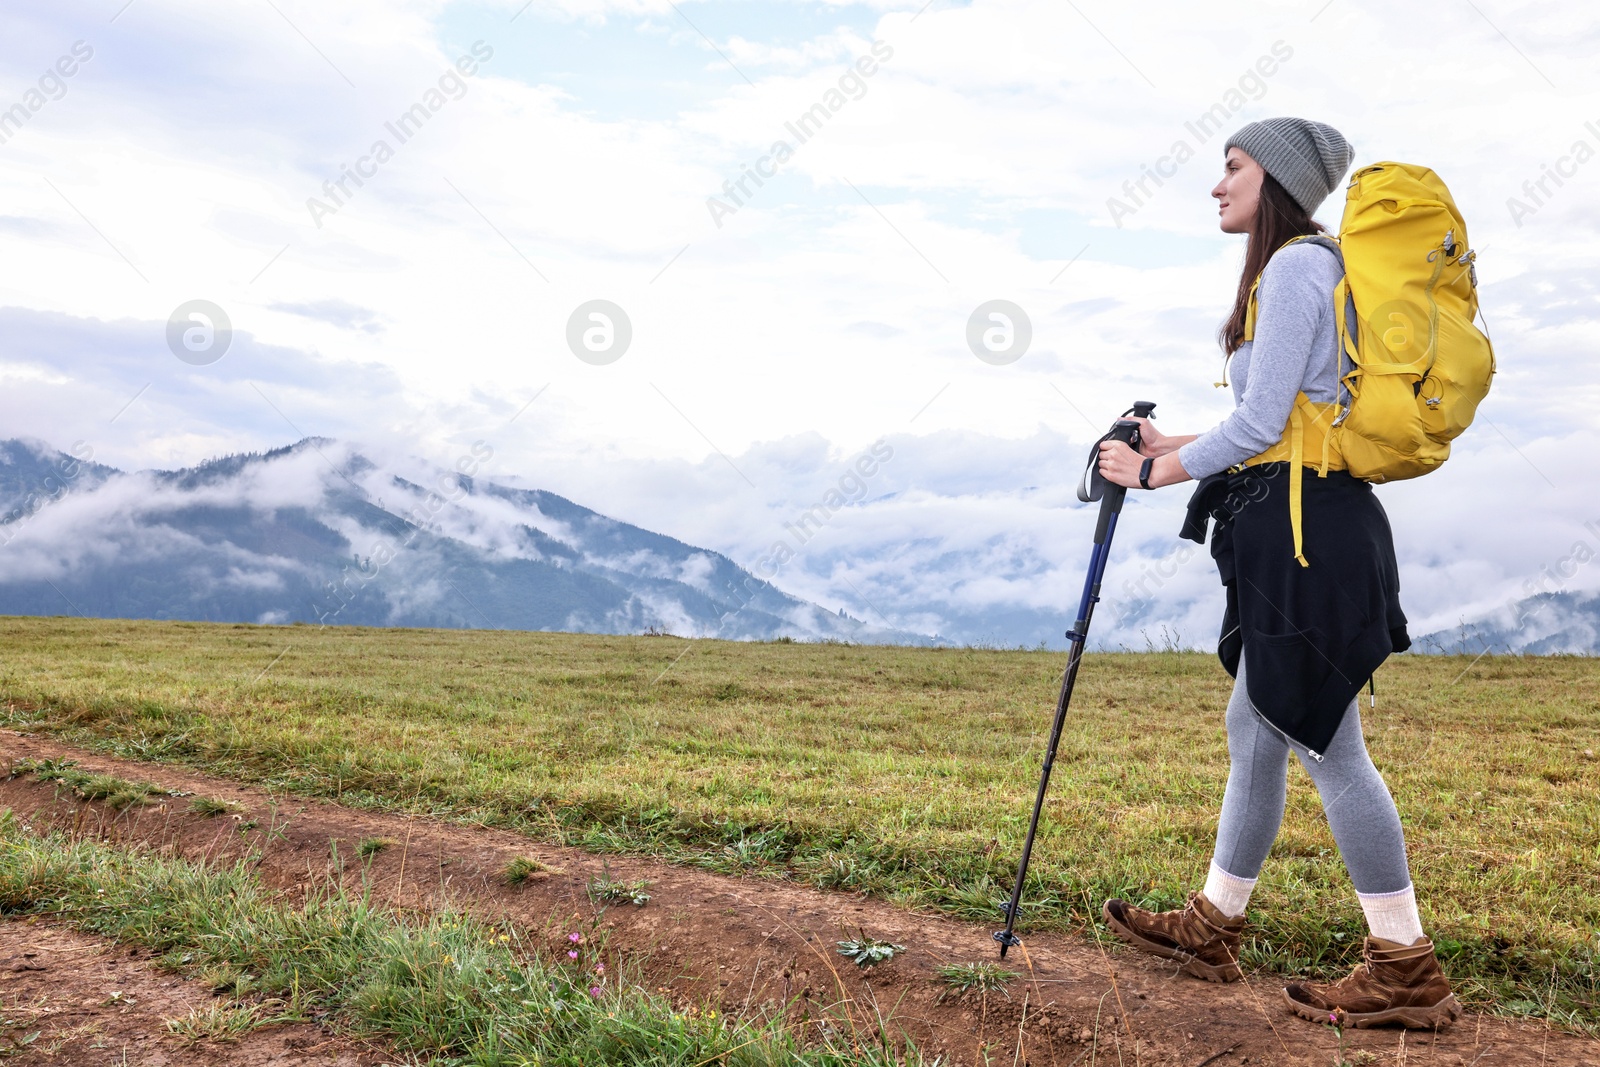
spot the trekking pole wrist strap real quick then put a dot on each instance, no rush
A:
(1144, 473)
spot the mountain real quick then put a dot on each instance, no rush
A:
(317, 532)
(32, 475)
(1542, 625)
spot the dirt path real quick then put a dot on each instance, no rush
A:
(745, 941)
(84, 1000)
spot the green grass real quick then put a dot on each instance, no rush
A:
(15, 1037)
(117, 793)
(444, 990)
(369, 847)
(211, 807)
(963, 978)
(522, 870)
(905, 773)
(216, 1021)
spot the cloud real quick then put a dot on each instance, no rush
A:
(829, 312)
(338, 313)
(115, 385)
(876, 330)
(26, 227)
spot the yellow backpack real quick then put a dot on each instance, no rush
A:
(1419, 365)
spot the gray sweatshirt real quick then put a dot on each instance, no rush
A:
(1297, 340)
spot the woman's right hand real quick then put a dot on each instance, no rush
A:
(1152, 442)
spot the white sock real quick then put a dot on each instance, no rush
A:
(1392, 916)
(1228, 893)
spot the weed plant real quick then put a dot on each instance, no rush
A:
(211, 807)
(864, 951)
(608, 890)
(963, 978)
(369, 847)
(521, 870)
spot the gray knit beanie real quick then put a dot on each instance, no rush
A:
(1307, 158)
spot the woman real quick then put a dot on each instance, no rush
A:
(1308, 621)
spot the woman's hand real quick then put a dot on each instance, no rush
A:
(1120, 464)
(1152, 442)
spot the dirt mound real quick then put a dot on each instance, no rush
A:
(747, 941)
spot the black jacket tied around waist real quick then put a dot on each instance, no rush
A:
(1311, 636)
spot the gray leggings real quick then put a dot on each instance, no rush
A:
(1360, 810)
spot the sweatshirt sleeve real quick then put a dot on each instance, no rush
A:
(1291, 301)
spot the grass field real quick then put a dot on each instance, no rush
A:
(906, 773)
(444, 989)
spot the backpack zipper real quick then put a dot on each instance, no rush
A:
(1439, 257)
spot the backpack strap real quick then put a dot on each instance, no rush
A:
(1297, 437)
(1253, 307)
(1343, 305)
(1249, 330)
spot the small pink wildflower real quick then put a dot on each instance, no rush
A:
(594, 991)
(572, 955)
(575, 938)
(599, 968)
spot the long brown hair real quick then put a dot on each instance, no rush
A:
(1278, 218)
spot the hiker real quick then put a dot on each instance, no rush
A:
(1307, 623)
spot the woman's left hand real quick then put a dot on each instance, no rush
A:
(1120, 464)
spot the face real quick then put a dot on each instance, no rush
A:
(1239, 192)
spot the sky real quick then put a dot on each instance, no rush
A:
(515, 162)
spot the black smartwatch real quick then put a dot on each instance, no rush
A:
(1144, 473)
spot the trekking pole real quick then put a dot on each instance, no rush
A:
(1092, 487)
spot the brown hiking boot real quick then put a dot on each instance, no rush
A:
(1199, 936)
(1394, 985)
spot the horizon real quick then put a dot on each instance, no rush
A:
(1570, 629)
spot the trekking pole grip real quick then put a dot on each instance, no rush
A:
(1093, 486)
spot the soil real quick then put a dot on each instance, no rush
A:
(74, 999)
(750, 942)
